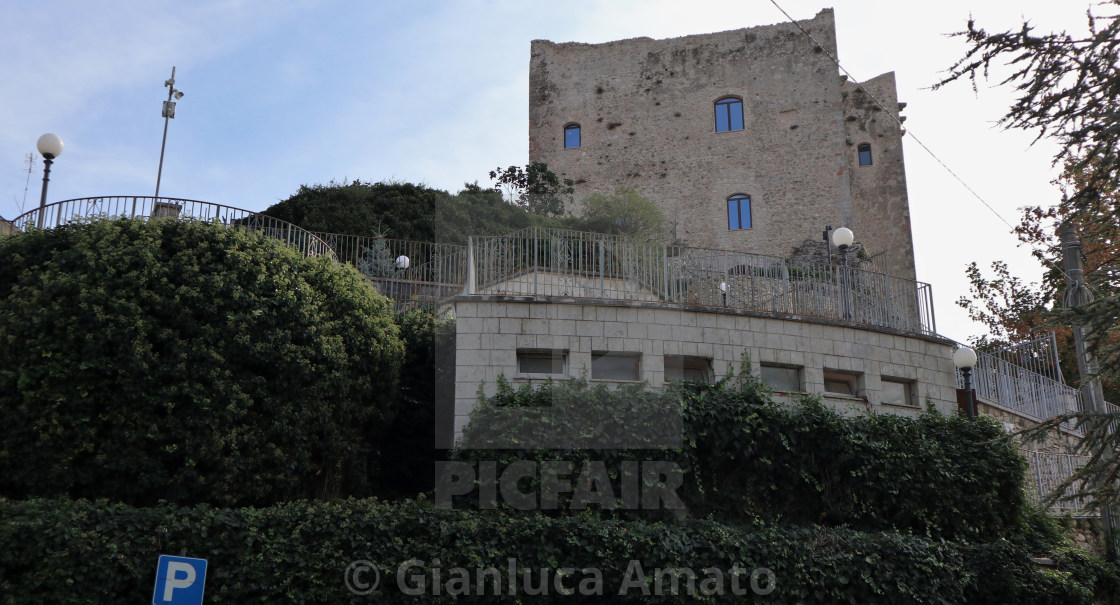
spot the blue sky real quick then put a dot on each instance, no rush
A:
(291, 92)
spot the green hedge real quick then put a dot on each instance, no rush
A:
(408, 448)
(744, 456)
(186, 361)
(62, 551)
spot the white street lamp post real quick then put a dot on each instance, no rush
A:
(50, 146)
(965, 359)
(843, 237)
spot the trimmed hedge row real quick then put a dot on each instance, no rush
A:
(63, 551)
(744, 456)
(187, 361)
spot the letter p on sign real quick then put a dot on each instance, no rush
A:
(179, 581)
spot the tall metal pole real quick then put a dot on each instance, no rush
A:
(844, 272)
(828, 243)
(970, 401)
(43, 198)
(168, 113)
(1078, 295)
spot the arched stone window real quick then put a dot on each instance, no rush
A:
(864, 154)
(739, 212)
(571, 136)
(729, 114)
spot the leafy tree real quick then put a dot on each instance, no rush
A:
(403, 211)
(189, 362)
(1011, 310)
(535, 188)
(377, 260)
(1067, 86)
(1016, 312)
(477, 211)
(424, 399)
(623, 212)
(396, 210)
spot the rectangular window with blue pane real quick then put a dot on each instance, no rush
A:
(729, 114)
(739, 212)
(571, 136)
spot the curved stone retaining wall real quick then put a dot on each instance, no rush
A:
(493, 330)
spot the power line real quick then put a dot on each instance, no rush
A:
(1038, 253)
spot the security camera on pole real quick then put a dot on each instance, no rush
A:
(168, 113)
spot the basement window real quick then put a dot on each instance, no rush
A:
(841, 383)
(615, 366)
(542, 362)
(897, 392)
(684, 367)
(783, 379)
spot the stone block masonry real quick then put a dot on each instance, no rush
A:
(655, 332)
(646, 114)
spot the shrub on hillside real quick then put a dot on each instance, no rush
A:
(61, 551)
(403, 211)
(744, 457)
(186, 361)
(422, 411)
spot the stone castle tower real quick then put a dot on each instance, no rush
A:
(749, 140)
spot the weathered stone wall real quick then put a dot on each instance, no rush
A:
(1056, 442)
(490, 330)
(1087, 534)
(880, 207)
(645, 108)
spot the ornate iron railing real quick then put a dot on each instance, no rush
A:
(544, 262)
(60, 213)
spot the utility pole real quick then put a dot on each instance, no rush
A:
(1077, 296)
(168, 113)
(827, 243)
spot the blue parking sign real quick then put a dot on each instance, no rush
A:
(179, 581)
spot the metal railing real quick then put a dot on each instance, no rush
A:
(766, 283)
(60, 213)
(1021, 389)
(1039, 355)
(546, 262)
(435, 271)
(1046, 472)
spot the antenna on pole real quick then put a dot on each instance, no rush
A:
(30, 161)
(168, 113)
